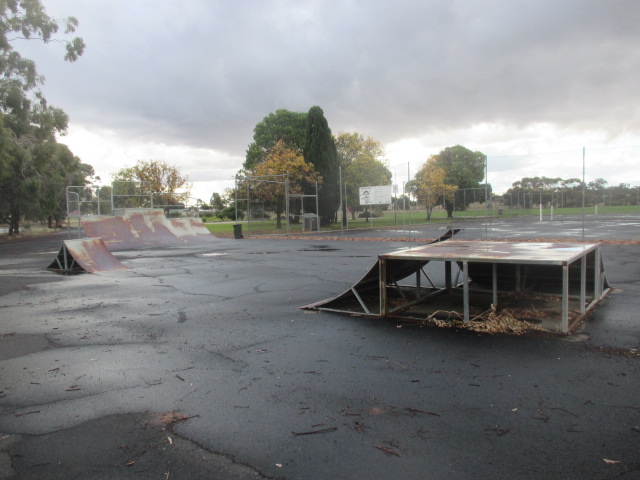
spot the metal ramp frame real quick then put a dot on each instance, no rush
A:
(569, 277)
(368, 286)
(85, 255)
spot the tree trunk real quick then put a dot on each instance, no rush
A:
(449, 211)
(14, 223)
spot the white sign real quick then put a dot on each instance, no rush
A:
(380, 195)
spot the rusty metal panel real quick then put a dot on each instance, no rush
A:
(152, 228)
(137, 229)
(87, 254)
(114, 231)
(498, 252)
(191, 229)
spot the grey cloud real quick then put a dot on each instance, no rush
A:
(203, 73)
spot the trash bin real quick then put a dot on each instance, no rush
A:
(237, 230)
(501, 211)
(310, 221)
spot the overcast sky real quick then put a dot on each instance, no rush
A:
(529, 83)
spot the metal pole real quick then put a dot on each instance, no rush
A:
(583, 189)
(235, 198)
(494, 282)
(565, 298)
(317, 208)
(486, 196)
(465, 291)
(408, 180)
(344, 211)
(583, 283)
(597, 280)
(541, 207)
(286, 196)
(248, 209)
(464, 200)
(395, 195)
(382, 285)
(341, 204)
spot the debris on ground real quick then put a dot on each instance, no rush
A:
(493, 321)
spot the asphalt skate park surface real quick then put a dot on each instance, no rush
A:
(197, 363)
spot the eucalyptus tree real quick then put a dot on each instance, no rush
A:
(363, 164)
(28, 123)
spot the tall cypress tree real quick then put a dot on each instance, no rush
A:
(320, 150)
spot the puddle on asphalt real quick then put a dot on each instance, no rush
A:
(319, 248)
(14, 345)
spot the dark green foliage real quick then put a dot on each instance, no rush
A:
(529, 192)
(283, 125)
(464, 169)
(229, 213)
(320, 151)
(34, 169)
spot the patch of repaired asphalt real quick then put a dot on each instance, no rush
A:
(13, 345)
(14, 283)
(134, 445)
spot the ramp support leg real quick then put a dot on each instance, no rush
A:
(597, 281)
(494, 270)
(583, 283)
(565, 298)
(383, 286)
(465, 290)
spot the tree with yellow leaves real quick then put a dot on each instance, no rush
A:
(282, 160)
(155, 177)
(430, 188)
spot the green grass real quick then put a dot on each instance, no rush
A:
(402, 219)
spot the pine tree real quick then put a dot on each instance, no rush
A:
(320, 151)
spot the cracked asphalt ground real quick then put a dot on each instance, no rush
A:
(197, 363)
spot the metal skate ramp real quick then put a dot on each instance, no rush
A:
(85, 255)
(137, 229)
(562, 281)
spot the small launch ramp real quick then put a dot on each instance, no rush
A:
(85, 255)
(137, 229)
(550, 283)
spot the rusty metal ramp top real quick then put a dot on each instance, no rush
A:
(85, 255)
(191, 230)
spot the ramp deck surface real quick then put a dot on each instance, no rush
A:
(137, 229)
